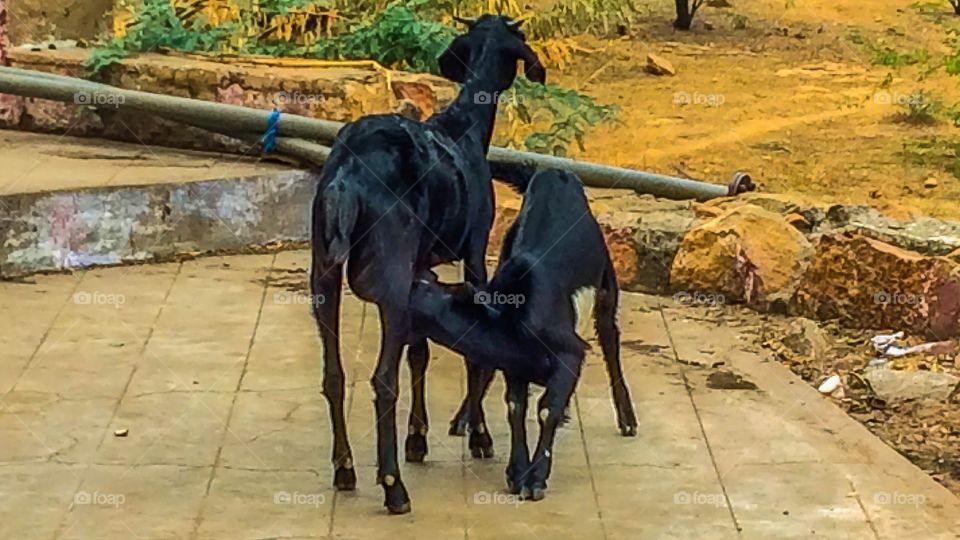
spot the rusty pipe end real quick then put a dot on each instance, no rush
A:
(741, 183)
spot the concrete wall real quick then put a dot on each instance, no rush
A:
(74, 229)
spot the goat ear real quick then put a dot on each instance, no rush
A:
(454, 61)
(532, 67)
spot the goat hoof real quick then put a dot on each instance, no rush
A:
(415, 448)
(345, 479)
(458, 427)
(627, 421)
(533, 491)
(481, 445)
(395, 498)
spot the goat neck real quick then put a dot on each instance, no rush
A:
(472, 114)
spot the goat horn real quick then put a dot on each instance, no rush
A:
(515, 24)
(469, 21)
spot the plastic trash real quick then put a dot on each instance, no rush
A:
(887, 346)
(829, 385)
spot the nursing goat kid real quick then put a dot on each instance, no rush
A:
(396, 197)
(524, 321)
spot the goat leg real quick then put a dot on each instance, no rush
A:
(560, 388)
(386, 389)
(475, 273)
(478, 381)
(608, 333)
(519, 465)
(415, 447)
(325, 293)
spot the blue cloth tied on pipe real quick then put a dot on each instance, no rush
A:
(269, 140)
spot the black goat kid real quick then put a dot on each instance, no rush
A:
(396, 197)
(524, 321)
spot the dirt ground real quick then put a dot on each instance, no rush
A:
(925, 431)
(793, 98)
(36, 20)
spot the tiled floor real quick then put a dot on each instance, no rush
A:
(213, 368)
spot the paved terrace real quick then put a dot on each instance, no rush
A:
(210, 368)
(35, 162)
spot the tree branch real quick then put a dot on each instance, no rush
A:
(697, 3)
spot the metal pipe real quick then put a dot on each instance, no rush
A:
(235, 121)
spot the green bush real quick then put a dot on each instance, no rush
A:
(157, 26)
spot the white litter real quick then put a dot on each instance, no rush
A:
(882, 342)
(829, 385)
(887, 346)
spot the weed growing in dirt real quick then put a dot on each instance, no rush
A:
(551, 118)
(933, 152)
(890, 57)
(935, 8)
(920, 108)
(739, 21)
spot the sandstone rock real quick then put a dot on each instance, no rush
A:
(806, 339)
(798, 221)
(954, 256)
(870, 284)
(409, 110)
(706, 211)
(657, 65)
(623, 253)
(657, 240)
(420, 95)
(643, 235)
(813, 212)
(930, 183)
(925, 235)
(894, 385)
(11, 109)
(747, 254)
(45, 115)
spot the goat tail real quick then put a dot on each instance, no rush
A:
(340, 210)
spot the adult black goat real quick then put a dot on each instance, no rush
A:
(396, 197)
(524, 321)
